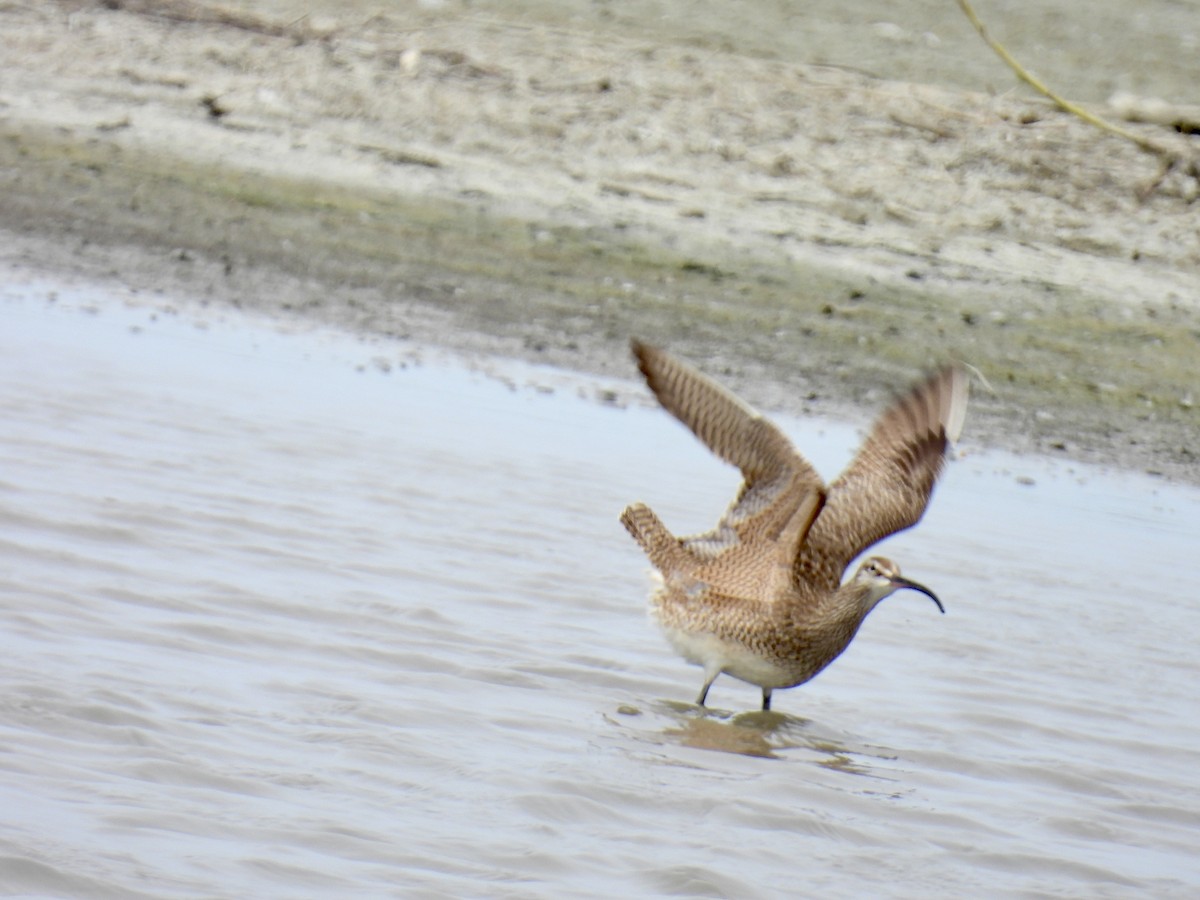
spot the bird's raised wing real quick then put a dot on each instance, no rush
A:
(887, 486)
(776, 479)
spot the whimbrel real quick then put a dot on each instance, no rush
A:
(760, 597)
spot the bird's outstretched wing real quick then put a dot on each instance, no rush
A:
(887, 486)
(774, 499)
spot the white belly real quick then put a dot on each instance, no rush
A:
(717, 655)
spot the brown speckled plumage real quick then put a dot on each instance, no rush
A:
(760, 596)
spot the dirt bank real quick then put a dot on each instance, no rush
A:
(516, 186)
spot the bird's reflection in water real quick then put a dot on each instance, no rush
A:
(710, 733)
(766, 734)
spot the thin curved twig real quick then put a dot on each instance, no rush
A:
(1170, 156)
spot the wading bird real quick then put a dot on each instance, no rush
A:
(760, 597)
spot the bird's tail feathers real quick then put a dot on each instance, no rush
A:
(665, 551)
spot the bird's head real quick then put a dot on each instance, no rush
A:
(880, 577)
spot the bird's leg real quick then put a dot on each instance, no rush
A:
(766, 698)
(709, 678)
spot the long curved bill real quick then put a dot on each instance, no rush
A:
(901, 582)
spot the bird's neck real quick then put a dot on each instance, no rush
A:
(841, 613)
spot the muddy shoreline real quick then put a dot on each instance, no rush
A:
(813, 235)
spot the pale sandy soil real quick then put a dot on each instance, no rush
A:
(544, 180)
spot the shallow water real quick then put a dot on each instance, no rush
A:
(300, 615)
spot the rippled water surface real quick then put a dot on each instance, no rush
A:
(282, 617)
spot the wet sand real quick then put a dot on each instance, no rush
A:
(817, 206)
